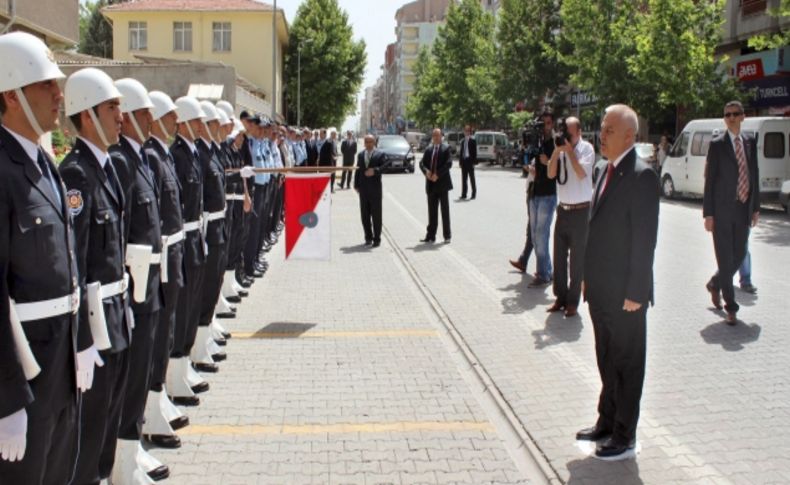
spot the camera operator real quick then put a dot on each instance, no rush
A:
(571, 165)
(543, 202)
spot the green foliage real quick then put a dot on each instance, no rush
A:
(423, 104)
(95, 29)
(332, 64)
(765, 41)
(518, 119)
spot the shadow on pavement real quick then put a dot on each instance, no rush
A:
(283, 330)
(359, 248)
(745, 299)
(558, 330)
(426, 247)
(525, 298)
(731, 338)
(592, 470)
(773, 229)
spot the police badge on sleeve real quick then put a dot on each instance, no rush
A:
(74, 202)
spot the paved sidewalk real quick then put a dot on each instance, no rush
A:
(337, 374)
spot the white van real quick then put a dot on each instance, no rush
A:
(683, 171)
(413, 137)
(489, 145)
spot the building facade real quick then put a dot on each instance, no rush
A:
(55, 21)
(236, 33)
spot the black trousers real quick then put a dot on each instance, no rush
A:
(730, 241)
(370, 210)
(570, 241)
(255, 228)
(163, 337)
(188, 311)
(236, 240)
(51, 449)
(620, 345)
(141, 355)
(468, 173)
(347, 177)
(435, 199)
(212, 282)
(100, 418)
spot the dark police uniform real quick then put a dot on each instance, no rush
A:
(234, 190)
(97, 204)
(38, 263)
(144, 228)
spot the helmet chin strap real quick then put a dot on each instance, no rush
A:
(208, 133)
(162, 127)
(99, 129)
(31, 118)
(191, 133)
(136, 127)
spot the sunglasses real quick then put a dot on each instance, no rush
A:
(733, 114)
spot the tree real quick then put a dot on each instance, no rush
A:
(773, 41)
(528, 50)
(332, 64)
(423, 104)
(95, 29)
(465, 54)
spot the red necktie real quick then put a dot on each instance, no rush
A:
(434, 158)
(743, 172)
(609, 172)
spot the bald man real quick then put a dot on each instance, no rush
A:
(618, 281)
(435, 165)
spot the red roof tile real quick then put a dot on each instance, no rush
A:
(201, 5)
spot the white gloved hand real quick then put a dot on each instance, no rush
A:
(247, 172)
(86, 360)
(13, 436)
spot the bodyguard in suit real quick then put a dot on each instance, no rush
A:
(37, 263)
(731, 204)
(349, 150)
(367, 183)
(97, 203)
(618, 281)
(144, 228)
(468, 158)
(435, 165)
(311, 147)
(327, 153)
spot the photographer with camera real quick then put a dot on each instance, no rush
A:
(571, 166)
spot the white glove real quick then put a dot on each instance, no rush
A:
(86, 360)
(247, 172)
(13, 436)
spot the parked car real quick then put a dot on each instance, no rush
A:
(683, 170)
(399, 153)
(491, 146)
(784, 196)
(413, 137)
(424, 142)
(453, 139)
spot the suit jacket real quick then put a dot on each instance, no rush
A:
(312, 152)
(472, 151)
(721, 178)
(349, 150)
(443, 164)
(37, 263)
(213, 192)
(370, 186)
(621, 240)
(99, 232)
(326, 158)
(144, 225)
(190, 176)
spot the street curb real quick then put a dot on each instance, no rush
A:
(527, 454)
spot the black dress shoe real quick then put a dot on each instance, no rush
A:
(187, 400)
(246, 283)
(199, 388)
(226, 335)
(368, 243)
(226, 315)
(233, 298)
(219, 357)
(179, 422)
(462, 197)
(221, 342)
(243, 293)
(202, 367)
(593, 434)
(427, 239)
(159, 473)
(257, 274)
(556, 307)
(164, 440)
(447, 240)
(473, 197)
(376, 244)
(731, 319)
(612, 449)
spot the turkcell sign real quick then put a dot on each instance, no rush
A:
(770, 91)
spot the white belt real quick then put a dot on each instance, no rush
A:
(234, 197)
(214, 216)
(168, 241)
(156, 258)
(116, 288)
(193, 226)
(39, 310)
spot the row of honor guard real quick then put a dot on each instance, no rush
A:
(115, 265)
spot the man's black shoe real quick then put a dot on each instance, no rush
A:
(159, 473)
(593, 434)
(199, 388)
(187, 401)
(427, 239)
(226, 335)
(447, 240)
(164, 440)
(234, 298)
(202, 367)
(219, 357)
(179, 422)
(226, 315)
(376, 244)
(473, 197)
(257, 274)
(243, 293)
(368, 243)
(613, 450)
(462, 197)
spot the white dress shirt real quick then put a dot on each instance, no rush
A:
(100, 155)
(576, 190)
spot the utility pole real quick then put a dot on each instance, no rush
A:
(274, 61)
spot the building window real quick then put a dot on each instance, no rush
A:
(774, 145)
(138, 36)
(182, 36)
(221, 36)
(749, 7)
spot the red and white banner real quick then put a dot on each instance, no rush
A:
(307, 216)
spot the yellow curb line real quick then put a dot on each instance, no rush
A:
(338, 334)
(290, 429)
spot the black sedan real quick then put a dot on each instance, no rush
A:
(400, 155)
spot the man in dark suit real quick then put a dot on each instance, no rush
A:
(618, 281)
(435, 164)
(349, 150)
(311, 148)
(731, 204)
(326, 155)
(367, 183)
(468, 158)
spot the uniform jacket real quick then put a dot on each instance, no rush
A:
(721, 177)
(369, 186)
(443, 164)
(213, 191)
(190, 176)
(99, 230)
(37, 262)
(142, 205)
(621, 241)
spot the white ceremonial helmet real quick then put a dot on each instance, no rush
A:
(163, 104)
(226, 107)
(26, 60)
(210, 112)
(238, 126)
(86, 89)
(188, 108)
(135, 96)
(223, 118)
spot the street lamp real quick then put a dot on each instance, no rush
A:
(299, 80)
